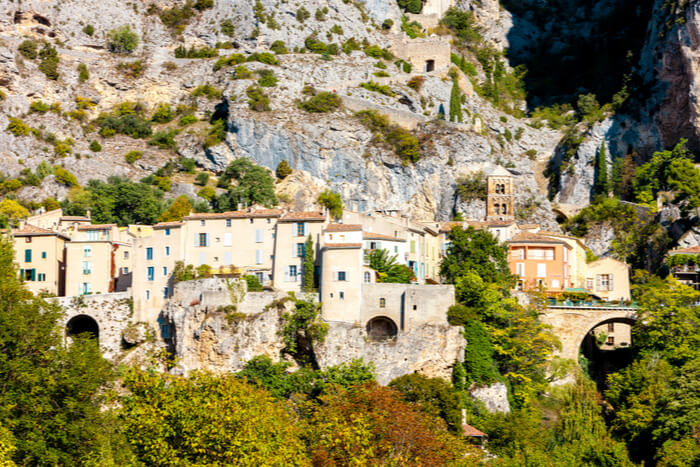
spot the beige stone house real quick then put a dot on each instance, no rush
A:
(40, 256)
(292, 232)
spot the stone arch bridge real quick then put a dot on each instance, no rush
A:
(571, 323)
(105, 316)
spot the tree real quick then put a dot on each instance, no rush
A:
(51, 398)
(202, 178)
(180, 208)
(455, 103)
(301, 329)
(12, 210)
(254, 185)
(435, 395)
(207, 420)
(122, 40)
(387, 268)
(372, 425)
(309, 265)
(479, 363)
(333, 202)
(283, 170)
(601, 186)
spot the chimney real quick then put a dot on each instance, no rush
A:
(87, 214)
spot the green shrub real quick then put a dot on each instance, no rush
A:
(164, 183)
(376, 87)
(279, 47)
(375, 51)
(302, 14)
(228, 28)
(129, 124)
(257, 100)
(17, 127)
(49, 62)
(132, 156)
(381, 74)
(163, 114)
(95, 146)
(412, 29)
(267, 78)
(253, 283)
(207, 193)
(333, 202)
(321, 103)
(283, 170)
(531, 154)
(202, 178)
(83, 74)
(263, 57)
(193, 52)
(187, 120)
(388, 23)
(29, 49)
(207, 90)
(217, 134)
(62, 148)
(164, 139)
(410, 6)
(132, 69)
(187, 164)
(39, 107)
(336, 29)
(64, 177)
(320, 14)
(202, 5)
(242, 72)
(404, 144)
(416, 83)
(89, 30)
(350, 45)
(230, 60)
(122, 40)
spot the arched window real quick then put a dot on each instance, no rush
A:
(368, 277)
(382, 303)
(504, 209)
(496, 208)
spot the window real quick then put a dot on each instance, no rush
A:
(368, 277)
(92, 235)
(300, 229)
(148, 294)
(589, 283)
(372, 245)
(126, 270)
(87, 267)
(396, 248)
(165, 270)
(341, 276)
(228, 222)
(27, 256)
(228, 239)
(202, 259)
(165, 292)
(28, 274)
(27, 239)
(87, 251)
(203, 239)
(258, 235)
(261, 277)
(520, 269)
(342, 295)
(126, 255)
(87, 288)
(292, 273)
(382, 303)
(610, 340)
(41, 277)
(415, 307)
(151, 272)
(167, 251)
(43, 255)
(605, 282)
(258, 256)
(167, 232)
(252, 220)
(611, 327)
(555, 283)
(202, 222)
(149, 253)
(541, 270)
(301, 249)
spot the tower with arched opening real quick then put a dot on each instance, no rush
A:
(500, 198)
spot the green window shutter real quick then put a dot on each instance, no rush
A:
(32, 276)
(27, 256)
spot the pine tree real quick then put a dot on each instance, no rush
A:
(455, 103)
(309, 265)
(601, 186)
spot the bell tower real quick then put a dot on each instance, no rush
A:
(500, 199)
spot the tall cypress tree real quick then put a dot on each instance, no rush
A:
(309, 265)
(601, 185)
(455, 103)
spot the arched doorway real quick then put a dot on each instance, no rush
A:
(429, 65)
(381, 328)
(83, 325)
(606, 348)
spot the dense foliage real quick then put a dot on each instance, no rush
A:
(253, 185)
(388, 269)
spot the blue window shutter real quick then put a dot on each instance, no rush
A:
(258, 256)
(27, 256)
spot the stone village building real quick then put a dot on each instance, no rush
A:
(67, 255)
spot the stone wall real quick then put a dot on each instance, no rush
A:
(112, 312)
(418, 51)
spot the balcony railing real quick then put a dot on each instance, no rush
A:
(554, 303)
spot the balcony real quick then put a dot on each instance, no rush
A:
(597, 304)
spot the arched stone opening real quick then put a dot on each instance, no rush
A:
(83, 325)
(606, 348)
(381, 328)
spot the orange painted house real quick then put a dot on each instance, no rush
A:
(540, 260)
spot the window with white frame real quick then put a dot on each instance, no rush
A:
(87, 251)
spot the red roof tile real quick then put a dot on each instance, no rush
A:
(343, 228)
(234, 214)
(163, 225)
(96, 226)
(685, 251)
(303, 216)
(378, 236)
(33, 231)
(342, 245)
(469, 430)
(527, 237)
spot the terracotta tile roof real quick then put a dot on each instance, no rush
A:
(378, 236)
(33, 231)
(74, 218)
(685, 251)
(469, 430)
(163, 225)
(527, 237)
(343, 228)
(234, 214)
(478, 225)
(96, 226)
(339, 246)
(528, 226)
(303, 216)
